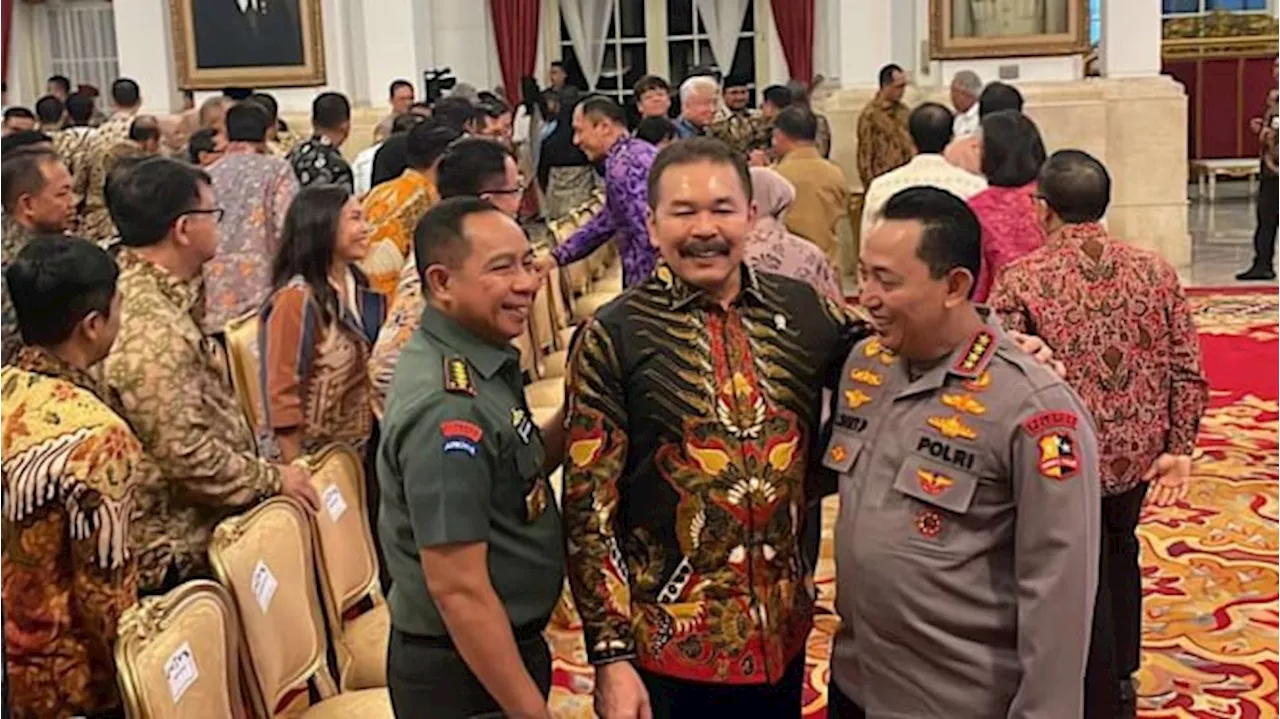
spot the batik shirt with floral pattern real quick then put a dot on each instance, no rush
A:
(13, 237)
(318, 162)
(174, 387)
(393, 209)
(883, 140)
(1118, 319)
(71, 471)
(690, 427)
(100, 156)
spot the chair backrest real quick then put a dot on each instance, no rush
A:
(540, 319)
(264, 557)
(344, 545)
(243, 357)
(177, 656)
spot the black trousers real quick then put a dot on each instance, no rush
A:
(1115, 647)
(840, 706)
(1268, 213)
(373, 493)
(426, 677)
(676, 698)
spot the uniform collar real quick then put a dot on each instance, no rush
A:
(484, 356)
(682, 293)
(803, 152)
(969, 360)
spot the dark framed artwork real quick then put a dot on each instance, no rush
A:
(247, 43)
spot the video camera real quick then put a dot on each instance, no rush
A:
(435, 81)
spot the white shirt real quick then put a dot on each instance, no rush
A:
(924, 170)
(362, 169)
(967, 122)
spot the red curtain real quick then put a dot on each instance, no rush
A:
(794, 20)
(515, 27)
(7, 9)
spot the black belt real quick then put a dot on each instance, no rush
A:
(523, 634)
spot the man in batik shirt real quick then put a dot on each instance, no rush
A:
(71, 469)
(600, 129)
(883, 140)
(318, 161)
(394, 208)
(254, 190)
(1122, 326)
(95, 222)
(74, 142)
(743, 129)
(172, 378)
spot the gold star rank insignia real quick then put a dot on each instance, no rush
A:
(953, 427)
(457, 377)
(855, 398)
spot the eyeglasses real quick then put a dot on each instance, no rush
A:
(217, 214)
(518, 189)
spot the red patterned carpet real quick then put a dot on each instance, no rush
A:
(1209, 564)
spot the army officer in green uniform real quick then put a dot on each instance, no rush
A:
(468, 521)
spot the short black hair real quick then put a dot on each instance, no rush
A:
(330, 110)
(997, 96)
(237, 93)
(603, 107)
(202, 140)
(49, 109)
(930, 125)
(80, 108)
(778, 96)
(470, 165)
(406, 121)
(21, 139)
(951, 236)
(17, 111)
(1012, 150)
(439, 240)
(22, 173)
(493, 108)
(61, 81)
(1075, 185)
(267, 102)
(693, 150)
(428, 141)
(655, 129)
(886, 74)
(649, 83)
(125, 93)
(247, 122)
(455, 111)
(557, 63)
(54, 282)
(797, 123)
(147, 199)
(396, 85)
(144, 128)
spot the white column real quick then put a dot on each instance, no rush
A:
(1130, 45)
(397, 47)
(144, 50)
(863, 32)
(462, 34)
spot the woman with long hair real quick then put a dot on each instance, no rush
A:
(317, 328)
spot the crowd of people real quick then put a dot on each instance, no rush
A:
(1010, 386)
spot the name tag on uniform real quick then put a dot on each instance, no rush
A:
(522, 424)
(536, 501)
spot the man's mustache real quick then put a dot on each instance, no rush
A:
(699, 247)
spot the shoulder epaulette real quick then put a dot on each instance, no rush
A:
(457, 377)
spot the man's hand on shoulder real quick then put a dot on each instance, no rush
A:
(1036, 347)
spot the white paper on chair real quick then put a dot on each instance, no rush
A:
(334, 503)
(181, 671)
(264, 585)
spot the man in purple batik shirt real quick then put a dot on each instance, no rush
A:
(600, 129)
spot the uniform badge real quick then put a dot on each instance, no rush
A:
(855, 398)
(536, 501)
(522, 424)
(979, 383)
(457, 377)
(1058, 458)
(963, 403)
(461, 436)
(780, 322)
(979, 351)
(873, 348)
(867, 377)
(1037, 423)
(929, 523)
(953, 427)
(839, 453)
(933, 483)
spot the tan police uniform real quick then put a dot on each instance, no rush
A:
(967, 540)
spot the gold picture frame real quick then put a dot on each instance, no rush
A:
(247, 43)
(1063, 28)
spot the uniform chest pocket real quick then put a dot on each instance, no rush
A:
(842, 450)
(530, 492)
(936, 484)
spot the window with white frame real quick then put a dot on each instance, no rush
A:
(689, 46)
(625, 54)
(77, 38)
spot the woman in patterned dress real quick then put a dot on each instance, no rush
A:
(771, 248)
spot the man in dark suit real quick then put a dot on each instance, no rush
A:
(247, 33)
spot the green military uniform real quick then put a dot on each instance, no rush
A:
(460, 461)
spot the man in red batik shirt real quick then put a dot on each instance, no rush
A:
(1117, 317)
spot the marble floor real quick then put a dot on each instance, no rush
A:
(1221, 237)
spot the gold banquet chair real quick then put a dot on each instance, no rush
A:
(242, 356)
(177, 655)
(264, 557)
(359, 620)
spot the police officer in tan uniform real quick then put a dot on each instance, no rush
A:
(967, 539)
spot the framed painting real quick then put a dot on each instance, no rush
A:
(1008, 28)
(247, 43)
